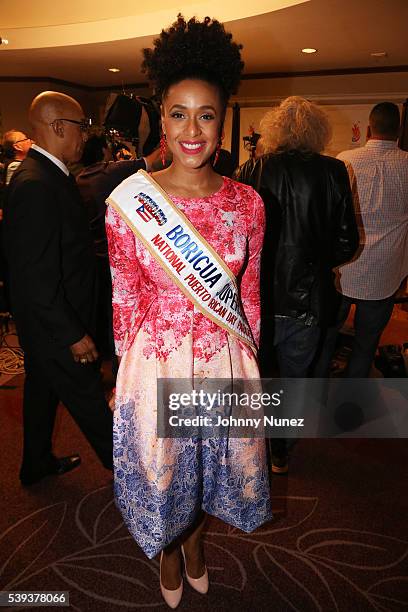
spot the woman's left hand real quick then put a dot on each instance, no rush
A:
(112, 400)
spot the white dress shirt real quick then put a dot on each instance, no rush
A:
(54, 159)
(11, 168)
(379, 179)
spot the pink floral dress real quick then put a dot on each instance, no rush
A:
(161, 483)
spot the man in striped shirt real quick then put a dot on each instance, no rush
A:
(379, 179)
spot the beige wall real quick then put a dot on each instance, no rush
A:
(361, 88)
(15, 99)
(347, 99)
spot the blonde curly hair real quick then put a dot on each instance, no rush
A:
(296, 124)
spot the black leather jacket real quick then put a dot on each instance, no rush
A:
(310, 229)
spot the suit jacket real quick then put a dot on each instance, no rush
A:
(95, 184)
(52, 265)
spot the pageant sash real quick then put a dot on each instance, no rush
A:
(182, 252)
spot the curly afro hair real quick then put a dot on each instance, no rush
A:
(194, 49)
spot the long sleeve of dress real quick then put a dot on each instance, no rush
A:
(250, 282)
(127, 279)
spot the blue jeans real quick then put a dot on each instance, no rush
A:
(296, 346)
(370, 319)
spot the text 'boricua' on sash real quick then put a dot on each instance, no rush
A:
(182, 252)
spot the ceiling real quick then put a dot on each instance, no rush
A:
(47, 40)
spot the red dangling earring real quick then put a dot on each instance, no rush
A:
(217, 152)
(163, 147)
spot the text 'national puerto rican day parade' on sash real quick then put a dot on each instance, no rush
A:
(182, 252)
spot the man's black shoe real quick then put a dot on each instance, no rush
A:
(59, 467)
(66, 464)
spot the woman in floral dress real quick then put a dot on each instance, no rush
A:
(164, 487)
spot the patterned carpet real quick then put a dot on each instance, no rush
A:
(338, 542)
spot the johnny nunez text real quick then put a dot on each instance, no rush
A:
(230, 421)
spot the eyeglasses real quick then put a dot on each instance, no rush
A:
(84, 124)
(22, 140)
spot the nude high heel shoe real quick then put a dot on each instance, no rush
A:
(199, 584)
(170, 596)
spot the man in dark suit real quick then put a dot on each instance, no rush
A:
(96, 181)
(53, 289)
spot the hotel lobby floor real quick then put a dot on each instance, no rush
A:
(338, 540)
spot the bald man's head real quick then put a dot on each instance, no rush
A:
(51, 105)
(57, 122)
